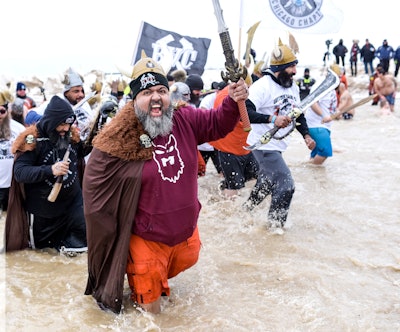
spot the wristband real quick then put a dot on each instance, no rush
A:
(273, 119)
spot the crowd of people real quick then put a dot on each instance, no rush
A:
(382, 83)
(367, 53)
(79, 178)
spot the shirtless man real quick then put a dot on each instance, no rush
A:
(346, 100)
(385, 86)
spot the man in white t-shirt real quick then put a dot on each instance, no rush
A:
(271, 99)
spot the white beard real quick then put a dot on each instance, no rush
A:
(160, 126)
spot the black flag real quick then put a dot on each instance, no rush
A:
(172, 50)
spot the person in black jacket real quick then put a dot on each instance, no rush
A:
(39, 153)
(305, 83)
(367, 55)
(340, 52)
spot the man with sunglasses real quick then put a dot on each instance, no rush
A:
(29, 102)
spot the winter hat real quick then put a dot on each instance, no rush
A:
(282, 57)
(179, 75)
(108, 106)
(58, 111)
(214, 85)
(195, 82)
(21, 86)
(221, 85)
(147, 73)
(71, 79)
(179, 91)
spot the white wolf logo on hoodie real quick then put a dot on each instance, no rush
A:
(169, 161)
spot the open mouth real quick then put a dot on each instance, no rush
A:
(156, 110)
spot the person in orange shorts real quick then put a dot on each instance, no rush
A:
(140, 189)
(151, 264)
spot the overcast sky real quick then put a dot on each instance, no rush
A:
(45, 37)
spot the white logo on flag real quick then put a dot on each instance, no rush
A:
(179, 57)
(297, 14)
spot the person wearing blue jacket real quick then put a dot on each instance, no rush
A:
(384, 53)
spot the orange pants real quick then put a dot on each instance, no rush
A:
(151, 264)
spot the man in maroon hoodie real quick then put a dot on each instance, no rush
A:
(140, 190)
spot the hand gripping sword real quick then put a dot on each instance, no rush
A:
(233, 73)
(58, 184)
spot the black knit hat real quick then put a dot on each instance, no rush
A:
(195, 82)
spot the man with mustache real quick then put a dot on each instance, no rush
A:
(140, 190)
(271, 99)
(39, 152)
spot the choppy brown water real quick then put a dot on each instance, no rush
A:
(335, 268)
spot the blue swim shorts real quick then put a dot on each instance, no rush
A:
(322, 138)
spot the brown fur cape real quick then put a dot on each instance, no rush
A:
(111, 188)
(120, 137)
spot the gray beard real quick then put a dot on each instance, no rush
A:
(62, 142)
(160, 126)
(58, 141)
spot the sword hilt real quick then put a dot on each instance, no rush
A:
(233, 71)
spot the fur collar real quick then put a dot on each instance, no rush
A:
(26, 141)
(121, 136)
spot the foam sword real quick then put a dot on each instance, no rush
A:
(233, 71)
